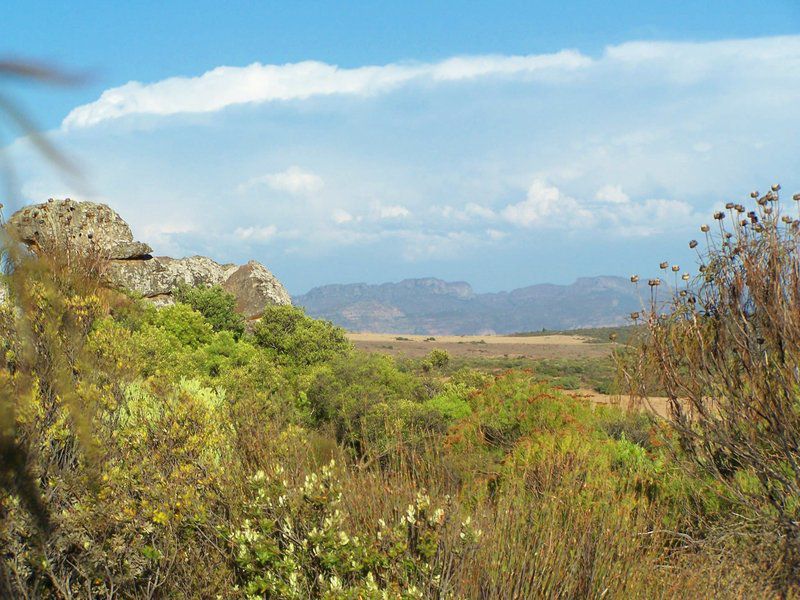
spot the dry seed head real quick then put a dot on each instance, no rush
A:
(739, 208)
(675, 268)
(634, 278)
(693, 244)
(767, 210)
(704, 228)
(796, 197)
(719, 215)
(683, 293)
(762, 201)
(685, 277)
(654, 282)
(754, 194)
(776, 187)
(664, 265)
(743, 222)
(634, 315)
(729, 205)
(786, 219)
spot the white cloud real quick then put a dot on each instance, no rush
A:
(546, 206)
(471, 212)
(227, 86)
(393, 212)
(522, 145)
(256, 234)
(293, 180)
(496, 234)
(341, 216)
(612, 194)
(476, 210)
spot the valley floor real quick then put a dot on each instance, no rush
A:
(561, 353)
(487, 346)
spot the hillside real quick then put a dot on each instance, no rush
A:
(433, 306)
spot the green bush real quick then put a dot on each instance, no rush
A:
(452, 402)
(297, 339)
(185, 323)
(215, 304)
(369, 402)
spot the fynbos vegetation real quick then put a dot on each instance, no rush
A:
(726, 350)
(181, 452)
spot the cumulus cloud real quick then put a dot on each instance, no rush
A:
(485, 160)
(227, 86)
(548, 207)
(612, 194)
(395, 211)
(256, 234)
(293, 180)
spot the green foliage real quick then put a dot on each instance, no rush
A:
(295, 543)
(297, 339)
(215, 304)
(437, 359)
(188, 326)
(370, 403)
(452, 402)
(141, 428)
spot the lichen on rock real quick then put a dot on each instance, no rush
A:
(57, 225)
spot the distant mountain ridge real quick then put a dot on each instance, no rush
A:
(433, 306)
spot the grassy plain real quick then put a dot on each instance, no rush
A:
(579, 363)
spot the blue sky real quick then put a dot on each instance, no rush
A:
(499, 143)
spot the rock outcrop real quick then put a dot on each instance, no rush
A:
(57, 225)
(255, 287)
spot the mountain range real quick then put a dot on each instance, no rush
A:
(433, 306)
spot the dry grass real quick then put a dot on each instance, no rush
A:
(486, 346)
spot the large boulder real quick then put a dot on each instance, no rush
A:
(59, 225)
(162, 275)
(255, 287)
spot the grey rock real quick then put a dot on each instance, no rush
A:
(158, 276)
(255, 287)
(66, 225)
(57, 226)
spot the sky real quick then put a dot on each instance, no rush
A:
(503, 143)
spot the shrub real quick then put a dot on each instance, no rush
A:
(451, 402)
(188, 326)
(437, 359)
(295, 543)
(726, 348)
(215, 304)
(297, 339)
(370, 403)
